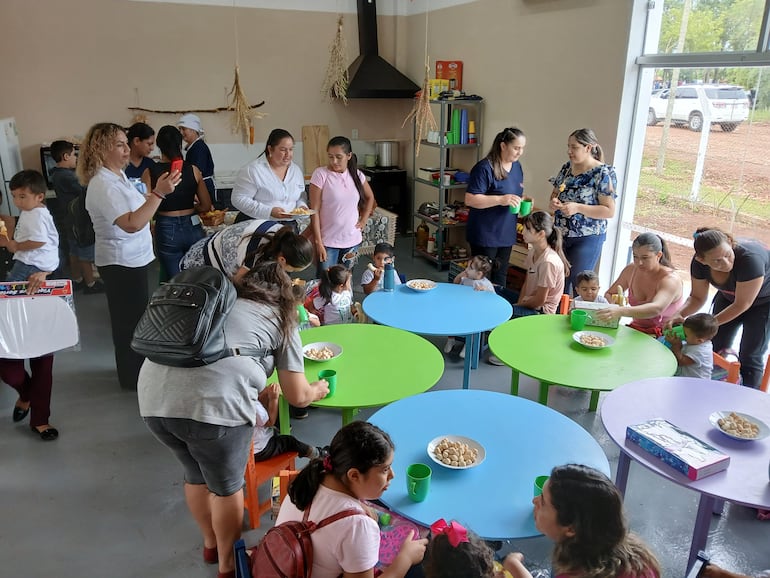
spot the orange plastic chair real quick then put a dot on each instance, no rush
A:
(258, 473)
(564, 304)
(733, 368)
(286, 477)
(765, 377)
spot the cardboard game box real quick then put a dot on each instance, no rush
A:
(452, 70)
(684, 452)
(591, 308)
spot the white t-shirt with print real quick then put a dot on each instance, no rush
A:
(703, 356)
(262, 432)
(37, 225)
(337, 310)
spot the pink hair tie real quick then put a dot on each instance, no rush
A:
(456, 533)
(328, 464)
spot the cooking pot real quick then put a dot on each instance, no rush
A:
(387, 153)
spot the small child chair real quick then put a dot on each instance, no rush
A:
(258, 473)
(729, 371)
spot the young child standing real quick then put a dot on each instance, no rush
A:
(372, 277)
(475, 275)
(695, 356)
(334, 303)
(587, 287)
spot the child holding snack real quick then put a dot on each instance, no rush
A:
(372, 277)
(334, 303)
(587, 286)
(306, 319)
(695, 356)
(455, 552)
(476, 275)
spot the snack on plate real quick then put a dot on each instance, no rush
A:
(738, 426)
(3, 229)
(592, 340)
(319, 354)
(424, 285)
(455, 454)
(213, 218)
(301, 211)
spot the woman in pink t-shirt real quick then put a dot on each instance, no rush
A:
(343, 201)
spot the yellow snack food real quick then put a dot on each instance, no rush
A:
(3, 229)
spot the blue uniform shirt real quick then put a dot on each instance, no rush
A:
(495, 226)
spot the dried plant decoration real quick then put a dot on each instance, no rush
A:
(421, 113)
(336, 82)
(243, 113)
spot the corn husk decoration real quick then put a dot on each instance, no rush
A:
(421, 113)
(336, 82)
(243, 113)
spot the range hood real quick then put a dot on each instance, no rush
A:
(370, 75)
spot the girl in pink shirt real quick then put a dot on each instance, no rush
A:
(343, 201)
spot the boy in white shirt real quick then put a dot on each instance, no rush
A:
(695, 356)
(587, 287)
(372, 277)
(35, 242)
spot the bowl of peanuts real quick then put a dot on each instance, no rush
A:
(593, 339)
(421, 285)
(739, 426)
(321, 351)
(456, 452)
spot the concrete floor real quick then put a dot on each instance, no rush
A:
(106, 498)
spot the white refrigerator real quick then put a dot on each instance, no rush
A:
(10, 164)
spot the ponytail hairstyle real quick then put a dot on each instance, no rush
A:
(707, 238)
(471, 558)
(266, 282)
(542, 221)
(330, 278)
(347, 148)
(296, 249)
(587, 137)
(276, 135)
(656, 244)
(358, 445)
(481, 263)
(169, 141)
(494, 155)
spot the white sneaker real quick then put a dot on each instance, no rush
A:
(494, 360)
(450, 343)
(462, 353)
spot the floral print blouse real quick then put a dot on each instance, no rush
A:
(585, 188)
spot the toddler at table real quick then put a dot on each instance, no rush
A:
(306, 319)
(454, 552)
(587, 287)
(695, 356)
(476, 275)
(372, 277)
(334, 303)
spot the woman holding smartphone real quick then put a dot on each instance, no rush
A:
(177, 225)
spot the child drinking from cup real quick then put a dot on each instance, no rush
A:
(587, 287)
(475, 275)
(695, 354)
(454, 552)
(334, 303)
(372, 277)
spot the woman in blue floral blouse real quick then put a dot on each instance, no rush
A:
(583, 198)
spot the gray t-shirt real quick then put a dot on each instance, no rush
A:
(703, 356)
(225, 392)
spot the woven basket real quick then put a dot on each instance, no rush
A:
(213, 219)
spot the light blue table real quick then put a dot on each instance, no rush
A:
(448, 309)
(522, 439)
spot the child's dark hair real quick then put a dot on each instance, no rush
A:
(266, 282)
(59, 148)
(296, 249)
(358, 445)
(656, 244)
(169, 142)
(299, 293)
(703, 325)
(140, 130)
(542, 221)
(29, 179)
(330, 278)
(347, 148)
(707, 238)
(471, 558)
(589, 275)
(481, 263)
(385, 248)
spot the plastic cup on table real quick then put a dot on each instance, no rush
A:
(525, 207)
(539, 483)
(578, 319)
(330, 376)
(418, 482)
(678, 330)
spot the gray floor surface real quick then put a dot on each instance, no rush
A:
(106, 498)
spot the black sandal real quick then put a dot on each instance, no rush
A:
(19, 414)
(48, 434)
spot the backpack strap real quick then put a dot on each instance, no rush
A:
(330, 519)
(247, 351)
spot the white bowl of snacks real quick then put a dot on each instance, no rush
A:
(593, 339)
(421, 285)
(321, 351)
(456, 452)
(739, 426)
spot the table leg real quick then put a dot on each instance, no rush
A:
(543, 398)
(476, 343)
(700, 533)
(594, 401)
(348, 414)
(621, 477)
(283, 416)
(468, 361)
(514, 382)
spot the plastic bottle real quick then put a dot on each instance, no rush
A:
(430, 247)
(422, 234)
(389, 281)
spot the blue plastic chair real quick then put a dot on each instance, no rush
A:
(242, 560)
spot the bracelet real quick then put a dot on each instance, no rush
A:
(157, 194)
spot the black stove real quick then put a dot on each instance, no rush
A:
(391, 192)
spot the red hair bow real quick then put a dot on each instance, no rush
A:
(456, 533)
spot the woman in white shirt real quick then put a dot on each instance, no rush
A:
(123, 249)
(271, 186)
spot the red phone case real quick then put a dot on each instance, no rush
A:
(176, 165)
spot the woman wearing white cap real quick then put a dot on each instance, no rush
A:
(198, 152)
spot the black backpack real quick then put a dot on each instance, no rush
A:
(80, 222)
(183, 325)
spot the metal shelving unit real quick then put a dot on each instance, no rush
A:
(444, 194)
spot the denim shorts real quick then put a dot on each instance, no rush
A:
(80, 253)
(21, 271)
(213, 455)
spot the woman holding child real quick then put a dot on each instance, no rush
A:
(740, 272)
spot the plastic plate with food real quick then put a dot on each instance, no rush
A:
(456, 452)
(739, 426)
(298, 212)
(593, 339)
(421, 284)
(321, 351)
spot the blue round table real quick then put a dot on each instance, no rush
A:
(448, 309)
(522, 439)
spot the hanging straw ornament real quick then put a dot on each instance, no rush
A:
(336, 82)
(421, 112)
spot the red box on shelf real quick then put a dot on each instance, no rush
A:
(451, 70)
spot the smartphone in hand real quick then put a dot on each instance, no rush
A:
(176, 165)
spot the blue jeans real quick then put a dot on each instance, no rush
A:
(512, 297)
(347, 257)
(21, 271)
(173, 237)
(582, 254)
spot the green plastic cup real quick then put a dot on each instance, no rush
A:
(578, 319)
(514, 209)
(525, 207)
(539, 483)
(331, 378)
(418, 482)
(678, 330)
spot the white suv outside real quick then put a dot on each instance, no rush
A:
(728, 105)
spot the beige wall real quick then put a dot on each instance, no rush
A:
(547, 66)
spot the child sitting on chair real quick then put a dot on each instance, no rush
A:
(475, 275)
(372, 277)
(306, 319)
(695, 356)
(267, 443)
(587, 287)
(334, 303)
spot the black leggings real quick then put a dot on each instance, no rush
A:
(279, 444)
(500, 257)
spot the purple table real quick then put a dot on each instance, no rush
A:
(687, 402)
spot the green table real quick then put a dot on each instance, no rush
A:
(542, 347)
(378, 365)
